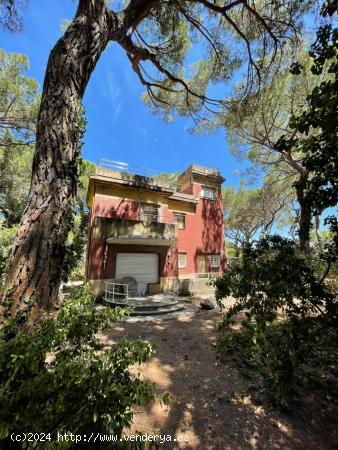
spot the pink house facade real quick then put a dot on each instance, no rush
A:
(159, 235)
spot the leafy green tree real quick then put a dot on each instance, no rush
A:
(19, 103)
(276, 278)
(156, 37)
(251, 213)
(15, 178)
(255, 125)
(316, 127)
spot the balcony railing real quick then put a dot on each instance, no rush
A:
(156, 218)
(127, 168)
(136, 174)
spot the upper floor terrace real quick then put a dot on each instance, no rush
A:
(124, 173)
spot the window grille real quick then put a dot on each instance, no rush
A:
(182, 260)
(149, 213)
(215, 261)
(208, 193)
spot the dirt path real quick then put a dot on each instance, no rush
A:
(186, 365)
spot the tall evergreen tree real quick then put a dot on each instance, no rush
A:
(156, 36)
(19, 106)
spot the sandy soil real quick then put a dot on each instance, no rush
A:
(208, 402)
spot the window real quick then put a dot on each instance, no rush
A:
(208, 192)
(179, 220)
(149, 213)
(215, 261)
(182, 260)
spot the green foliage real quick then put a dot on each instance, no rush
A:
(198, 45)
(290, 313)
(253, 212)
(19, 100)
(255, 124)
(74, 262)
(286, 360)
(7, 236)
(59, 377)
(275, 278)
(19, 103)
(318, 125)
(170, 178)
(86, 170)
(15, 179)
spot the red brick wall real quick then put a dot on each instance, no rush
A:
(203, 234)
(104, 206)
(204, 231)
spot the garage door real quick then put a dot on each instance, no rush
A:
(141, 266)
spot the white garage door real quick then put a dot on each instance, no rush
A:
(141, 266)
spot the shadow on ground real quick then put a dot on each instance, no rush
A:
(203, 407)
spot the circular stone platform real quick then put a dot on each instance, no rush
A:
(162, 306)
(186, 309)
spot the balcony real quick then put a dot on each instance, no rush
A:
(130, 232)
(124, 173)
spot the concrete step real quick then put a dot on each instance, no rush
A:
(147, 309)
(139, 311)
(148, 306)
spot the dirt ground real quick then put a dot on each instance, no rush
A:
(208, 403)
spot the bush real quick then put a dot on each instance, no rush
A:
(58, 377)
(275, 278)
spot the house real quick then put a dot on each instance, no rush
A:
(154, 235)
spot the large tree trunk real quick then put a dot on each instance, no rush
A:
(305, 215)
(38, 254)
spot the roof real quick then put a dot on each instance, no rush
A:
(203, 171)
(106, 174)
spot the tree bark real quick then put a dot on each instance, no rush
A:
(317, 226)
(305, 215)
(305, 206)
(39, 250)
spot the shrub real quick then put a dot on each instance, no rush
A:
(58, 377)
(275, 278)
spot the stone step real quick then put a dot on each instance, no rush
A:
(150, 305)
(140, 306)
(160, 310)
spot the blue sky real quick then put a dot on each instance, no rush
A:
(120, 126)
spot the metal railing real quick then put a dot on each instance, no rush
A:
(124, 167)
(174, 289)
(110, 292)
(158, 218)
